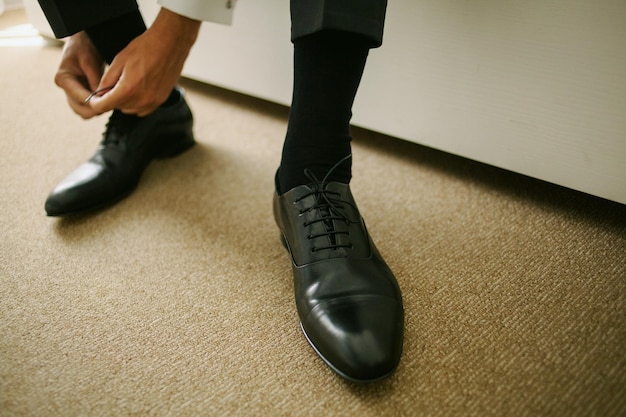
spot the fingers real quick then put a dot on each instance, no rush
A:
(114, 91)
(121, 98)
(93, 75)
(130, 98)
(109, 100)
(79, 72)
(97, 92)
(141, 77)
(112, 98)
(76, 92)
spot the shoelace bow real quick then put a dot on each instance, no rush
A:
(118, 126)
(330, 209)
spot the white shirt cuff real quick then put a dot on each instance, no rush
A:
(216, 11)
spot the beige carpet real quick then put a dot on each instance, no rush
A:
(178, 300)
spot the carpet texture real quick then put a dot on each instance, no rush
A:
(178, 300)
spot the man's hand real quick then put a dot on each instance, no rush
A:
(145, 72)
(79, 72)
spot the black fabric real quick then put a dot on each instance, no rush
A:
(112, 36)
(327, 71)
(331, 43)
(67, 17)
(363, 17)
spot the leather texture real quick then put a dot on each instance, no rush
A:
(348, 300)
(128, 146)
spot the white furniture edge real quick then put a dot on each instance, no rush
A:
(535, 87)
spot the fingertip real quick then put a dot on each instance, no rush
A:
(101, 104)
(83, 111)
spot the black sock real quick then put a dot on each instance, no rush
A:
(112, 36)
(328, 67)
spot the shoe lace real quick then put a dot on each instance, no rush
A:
(118, 127)
(330, 209)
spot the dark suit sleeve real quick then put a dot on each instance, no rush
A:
(67, 17)
(364, 17)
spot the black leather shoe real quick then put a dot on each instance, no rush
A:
(348, 300)
(128, 146)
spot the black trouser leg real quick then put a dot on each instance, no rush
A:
(113, 35)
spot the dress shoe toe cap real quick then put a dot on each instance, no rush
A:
(360, 337)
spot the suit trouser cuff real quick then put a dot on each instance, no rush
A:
(363, 17)
(71, 16)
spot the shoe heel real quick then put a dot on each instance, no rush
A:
(176, 141)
